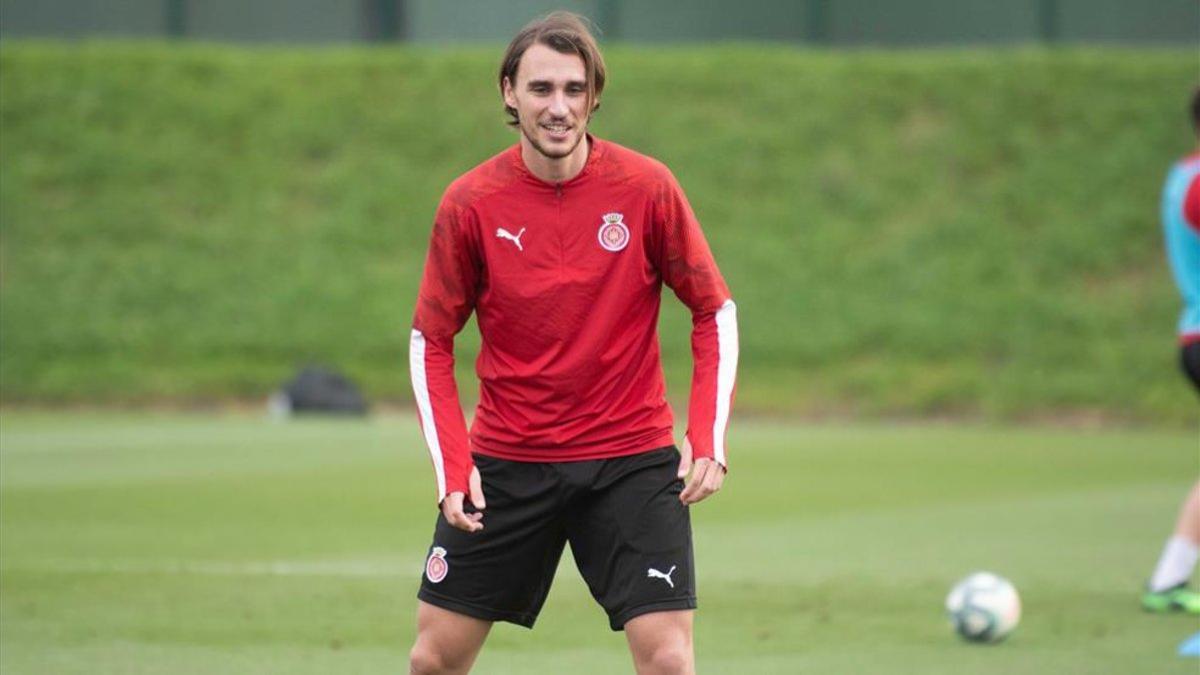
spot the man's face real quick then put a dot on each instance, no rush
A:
(550, 97)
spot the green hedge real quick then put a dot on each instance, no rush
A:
(932, 232)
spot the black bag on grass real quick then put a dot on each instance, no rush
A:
(319, 390)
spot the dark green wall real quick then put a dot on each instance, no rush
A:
(931, 21)
(834, 22)
(681, 20)
(441, 21)
(82, 18)
(270, 21)
(1126, 21)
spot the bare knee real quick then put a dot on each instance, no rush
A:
(665, 657)
(426, 660)
(661, 643)
(673, 659)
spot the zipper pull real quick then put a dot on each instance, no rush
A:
(558, 190)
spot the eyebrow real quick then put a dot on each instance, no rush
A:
(547, 83)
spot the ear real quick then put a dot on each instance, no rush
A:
(510, 97)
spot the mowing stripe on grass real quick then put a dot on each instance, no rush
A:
(404, 567)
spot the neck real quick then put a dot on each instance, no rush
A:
(555, 169)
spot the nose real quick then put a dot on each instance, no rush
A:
(558, 104)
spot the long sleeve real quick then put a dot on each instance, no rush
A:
(445, 301)
(1191, 204)
(687, 267)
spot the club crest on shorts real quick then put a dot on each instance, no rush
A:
(436, 567)
(613, 234)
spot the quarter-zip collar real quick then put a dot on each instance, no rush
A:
(596, 149)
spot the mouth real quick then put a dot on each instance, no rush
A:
(558, 131)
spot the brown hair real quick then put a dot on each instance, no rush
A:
(565, 33)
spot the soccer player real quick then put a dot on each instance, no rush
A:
(561, 245)
(1168, 590)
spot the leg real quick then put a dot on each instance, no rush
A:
(1168, 589)
(1188, 523)
(1179, 556)
(631, 537)
(661, 643)
(501, 573)
(447, 642)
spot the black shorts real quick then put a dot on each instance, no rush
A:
(629, 533)
(1189, 359)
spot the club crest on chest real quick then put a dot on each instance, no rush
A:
(613, 234)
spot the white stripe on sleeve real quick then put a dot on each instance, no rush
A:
(727, 359)
(416, 364)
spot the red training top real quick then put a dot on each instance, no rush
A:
(1191, 199)
(566, 280)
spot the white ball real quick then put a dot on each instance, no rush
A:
(984, 607)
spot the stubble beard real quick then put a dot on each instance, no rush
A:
(532, 138)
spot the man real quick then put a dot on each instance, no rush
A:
(1168, 589)
(560, 245)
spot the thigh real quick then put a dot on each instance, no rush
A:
(446, 640)
(632, 538)
(504, 571)
(1189, 357)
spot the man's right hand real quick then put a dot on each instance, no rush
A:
(452, 506)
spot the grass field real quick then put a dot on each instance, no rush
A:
(189, 544)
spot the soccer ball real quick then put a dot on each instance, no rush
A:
(984, 607)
